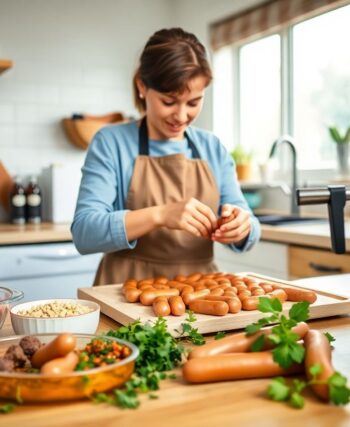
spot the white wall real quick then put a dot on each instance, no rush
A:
(69, 56)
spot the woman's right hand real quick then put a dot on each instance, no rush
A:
(190, 215)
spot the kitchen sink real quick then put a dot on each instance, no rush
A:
(288, 220)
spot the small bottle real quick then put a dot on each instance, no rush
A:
(33, 201)
(18, 202)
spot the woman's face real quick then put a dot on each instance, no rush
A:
(168, 115)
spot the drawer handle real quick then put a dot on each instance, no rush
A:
(325, 268)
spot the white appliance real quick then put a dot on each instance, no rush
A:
(44, 271)
(60, 186)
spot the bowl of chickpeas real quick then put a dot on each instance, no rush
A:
(55, 315)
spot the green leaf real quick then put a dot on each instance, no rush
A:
(315, 370)
(190, 316)
(297, 352)
(299, 311)
(220, 335)
(335, 135)
(266, 305)
(126, 399)
(337, 380)
(329, 337)
(281, 355)
(278, 389)
(274, 338)
(339, 393)
(276, 305)
(253, 329)
(258, 344)
(296, 400)
(298, 386)
(7, 408)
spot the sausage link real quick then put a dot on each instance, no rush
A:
(59, 347)
(191, 296)
(194, 277)
(294, 294)
(318, 351)
(234, 366)
(133, 295)
(279, 294)
(214, 308)
(241, 343)
(149, 295)
(217, 292)
(161, 307)
(234, 303)
(177, 306)
(61, 365)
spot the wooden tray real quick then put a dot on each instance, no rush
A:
(114, 305)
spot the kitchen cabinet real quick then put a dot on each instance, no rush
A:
(5, 64)
(267, 258)
(310, 262)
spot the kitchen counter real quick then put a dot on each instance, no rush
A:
(220, 404)
(11, 234)
(315, 235)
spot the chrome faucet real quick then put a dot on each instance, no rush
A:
(286, 139)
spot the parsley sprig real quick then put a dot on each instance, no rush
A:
(287, 350)
(159, 352)
(291, 392)
(189, 332)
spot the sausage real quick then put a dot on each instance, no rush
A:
(214, 308)
(266, 286)
(240, 343)
(217, 292)
(250, 303)
(162, 280)
(191, 296)
(133, 295)
(279, 294)
(149, 295)
(318, 351)
(161, 307)
(180, 278)
(148, 281)
(194, 277)
(234, 304)
(234, 366)
(61, 365)
(177, 306)
(59, 347)
(294, 294)
(225, 220)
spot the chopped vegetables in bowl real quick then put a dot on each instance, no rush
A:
(34, 369)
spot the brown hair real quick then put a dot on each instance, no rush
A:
(170, 58)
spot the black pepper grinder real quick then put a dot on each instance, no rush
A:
(33, 201)
(18, 202)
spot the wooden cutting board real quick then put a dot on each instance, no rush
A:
(114, 305)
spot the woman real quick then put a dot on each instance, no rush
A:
(151, 191)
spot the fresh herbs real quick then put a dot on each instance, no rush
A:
(220, 335)
(329, 337)
(6, 408)
(189, 332)
(287, 350)
(291, 392)
(159, 352)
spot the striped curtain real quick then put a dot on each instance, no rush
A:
(266, 19)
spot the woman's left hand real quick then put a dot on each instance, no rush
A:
(237, 227)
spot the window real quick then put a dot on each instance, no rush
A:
(295, 81)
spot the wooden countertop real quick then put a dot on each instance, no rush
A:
(222, 404)
(11, 234)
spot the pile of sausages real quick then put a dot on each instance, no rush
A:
(213, 293)
(230, 358)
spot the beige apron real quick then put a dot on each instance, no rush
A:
(164, 252)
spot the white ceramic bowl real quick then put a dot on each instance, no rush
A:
(86, 323)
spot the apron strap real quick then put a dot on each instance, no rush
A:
(144, 146)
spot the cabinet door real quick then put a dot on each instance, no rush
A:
(306, 262)
(267, 258)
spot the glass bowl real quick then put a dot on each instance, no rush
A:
(74, 385)
(7, 298)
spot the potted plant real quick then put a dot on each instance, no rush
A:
(242, 159)
(342, 144)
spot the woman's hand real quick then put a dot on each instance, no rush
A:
(237, 227)
(191, 215)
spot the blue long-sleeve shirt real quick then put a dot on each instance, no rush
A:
(99, 220)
